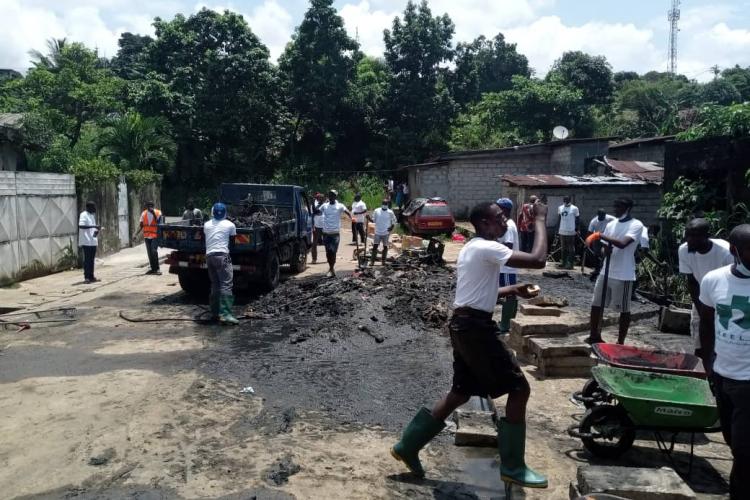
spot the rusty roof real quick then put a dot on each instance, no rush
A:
(545, 180)
(641, 170)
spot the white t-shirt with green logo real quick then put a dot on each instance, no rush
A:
(730, 298)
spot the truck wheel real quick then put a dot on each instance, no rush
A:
(298, 262)
(195, 282)
(272, 272)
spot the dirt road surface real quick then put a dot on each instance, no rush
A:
(302, 400)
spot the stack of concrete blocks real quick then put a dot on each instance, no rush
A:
(542, 334)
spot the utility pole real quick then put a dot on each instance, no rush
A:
(716, 71)
(673, 16)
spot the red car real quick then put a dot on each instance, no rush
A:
(428, 216)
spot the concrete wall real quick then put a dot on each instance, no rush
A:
(588, 199)
(467, 181)
(105, 196)
(640, 152)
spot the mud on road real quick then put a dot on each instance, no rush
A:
(105, 408)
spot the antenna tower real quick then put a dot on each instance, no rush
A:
(673, 16)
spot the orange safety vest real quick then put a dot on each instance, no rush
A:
(149, 227)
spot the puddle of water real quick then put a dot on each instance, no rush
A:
(480, 470)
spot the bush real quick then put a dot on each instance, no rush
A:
(90, 172)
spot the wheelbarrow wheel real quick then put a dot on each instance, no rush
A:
(607, 431)
(593, 395)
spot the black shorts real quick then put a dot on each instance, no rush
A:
(482, 363)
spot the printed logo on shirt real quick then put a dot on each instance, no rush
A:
(739, 303)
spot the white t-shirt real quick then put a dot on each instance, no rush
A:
(318, 219)
(699, 264)
(568, 217)
(359, 206)
(599, 226)
(622, 266)
(384, 218)
(86, 237)
(479, 265)
(730, 298)
(511, 237)
(217, 235)
(332, 216)
(406, 189)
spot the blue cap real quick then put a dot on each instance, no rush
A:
(504, 203)
(219, 211)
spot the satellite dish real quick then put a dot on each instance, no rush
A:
(560, 132)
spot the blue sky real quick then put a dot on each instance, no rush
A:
(631, 34)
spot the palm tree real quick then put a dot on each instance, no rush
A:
(50, 60)
(135, 142)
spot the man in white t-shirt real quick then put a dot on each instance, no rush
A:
(621, 238)
(597, 225)
(332, 211)
(218, 232)
(88, 232)
(724, 307)
(359, 216)
(508, 277)
(697, 256)
(482, 364)
(567, 230)
(384, 220)
(317, 237)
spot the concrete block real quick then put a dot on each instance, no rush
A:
(548, 300)
(565, 371)
(564, 347)
(532, 310)
(635, 483)
(474, 428)
(674, 320)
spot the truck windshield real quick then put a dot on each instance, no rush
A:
(435, 210)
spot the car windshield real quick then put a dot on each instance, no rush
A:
(432, 210)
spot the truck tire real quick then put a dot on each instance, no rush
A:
(195, 282)
(298, 262)
(271, 273)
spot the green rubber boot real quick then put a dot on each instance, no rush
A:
(511, 443)
(227, 316)
(510, 308)
(215, 303)
(385, 254)
(373, 256)
(420, 431)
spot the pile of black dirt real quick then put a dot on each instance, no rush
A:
(375, 300)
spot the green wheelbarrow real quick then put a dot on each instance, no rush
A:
(662, 403)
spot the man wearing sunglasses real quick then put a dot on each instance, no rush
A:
(482, 364)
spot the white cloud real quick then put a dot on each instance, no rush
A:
(367, 25)
(273, 24)
(625, 46)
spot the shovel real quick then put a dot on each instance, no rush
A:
(604, 291)
(362, 256)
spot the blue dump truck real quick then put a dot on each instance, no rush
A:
(274, 227)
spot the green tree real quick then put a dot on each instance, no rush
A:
(652, 106)
(129, 63)
(67, 89)
(52, 59)
(485, 66)
(740, 78)
(419, 108)
(721, 92)
(318, 67)
(592, 75)
(135, 142)
(525, 114)
(210, 76)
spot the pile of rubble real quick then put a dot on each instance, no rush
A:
(247, 214)
(375, 301)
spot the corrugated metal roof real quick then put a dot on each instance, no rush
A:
(641, 170)
(568, 180)
(645, 140)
